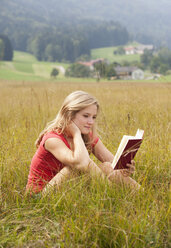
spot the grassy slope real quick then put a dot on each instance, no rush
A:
(26, 67)
(107, 53)
(86, 212)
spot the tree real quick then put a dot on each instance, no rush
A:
(155, 64)
(120, 50)
(77, 70)
(54, 72)
(53, 53)
(8, 50)
(110, 71)
(163, 68)
(164, 55)
(1, 49)
(100, 69)
(146, 58)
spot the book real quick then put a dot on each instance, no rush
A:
(127, 150)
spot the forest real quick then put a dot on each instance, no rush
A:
(67, 42)
(80, 26)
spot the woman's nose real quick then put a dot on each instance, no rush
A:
(90, 120)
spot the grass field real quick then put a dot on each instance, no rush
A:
(86, 212)
(25, 67)
(107, 53)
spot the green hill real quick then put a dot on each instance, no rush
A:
(107, 53)
(26, 67)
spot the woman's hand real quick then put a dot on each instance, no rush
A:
(72, 129)
(130, 170)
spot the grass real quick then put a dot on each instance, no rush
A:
(107, 53)
(26, 67)
(86, 212)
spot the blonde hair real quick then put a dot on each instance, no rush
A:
(72, 104)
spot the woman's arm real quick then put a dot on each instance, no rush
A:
(102, 153)
(78, 157)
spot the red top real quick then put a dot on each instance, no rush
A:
(44, 166)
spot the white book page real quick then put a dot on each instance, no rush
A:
(120, 149)
(139, 134)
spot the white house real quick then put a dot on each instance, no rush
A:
(137, 49)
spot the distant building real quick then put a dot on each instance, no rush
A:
(129, 50)
(129, 72)
(138, 49)
(91, 63)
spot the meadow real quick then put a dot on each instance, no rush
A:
(108, 53)
(86, 212)
(25, 67)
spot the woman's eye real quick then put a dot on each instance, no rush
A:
(85, 116)
(94, 117)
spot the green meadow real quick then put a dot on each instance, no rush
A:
(107, 53)
(85, 212)
(26, 68)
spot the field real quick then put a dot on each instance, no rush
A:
(27, 68)
(86, 212)
(107, 53)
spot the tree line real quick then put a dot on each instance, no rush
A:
(67, 42)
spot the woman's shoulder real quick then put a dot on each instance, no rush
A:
(54, 134)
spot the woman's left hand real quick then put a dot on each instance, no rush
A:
(130, 170)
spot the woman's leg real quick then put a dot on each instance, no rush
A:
(103, 170)
(60, 178)
(117, 176)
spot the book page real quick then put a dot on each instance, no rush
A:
(139, 134)
(121, 147)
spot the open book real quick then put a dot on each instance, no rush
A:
(127, 149)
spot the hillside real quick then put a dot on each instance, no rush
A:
(107, 53)
(25, 67)
(142, 18)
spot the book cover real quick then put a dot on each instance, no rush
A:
(127, 150)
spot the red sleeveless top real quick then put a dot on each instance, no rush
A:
(44, 166)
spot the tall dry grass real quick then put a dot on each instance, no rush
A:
(86, 212)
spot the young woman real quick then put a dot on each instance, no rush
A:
(66, 143)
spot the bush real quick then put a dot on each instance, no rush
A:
(54, 72)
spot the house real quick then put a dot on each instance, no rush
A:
(138, 49)
(129, 72)
(91, 63)
(130, 50)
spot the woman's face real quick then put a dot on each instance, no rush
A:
(85, 118)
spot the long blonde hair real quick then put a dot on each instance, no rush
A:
(72, 104)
